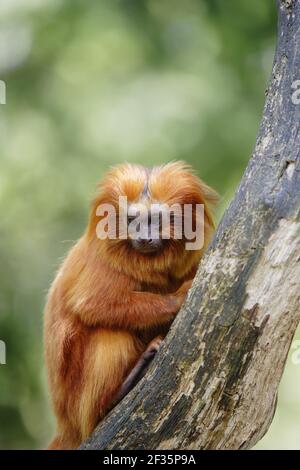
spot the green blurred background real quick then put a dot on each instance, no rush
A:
(90, 84)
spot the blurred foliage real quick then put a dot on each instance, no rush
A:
(90, 85)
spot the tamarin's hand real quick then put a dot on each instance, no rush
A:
(158, 308)
(117, 292)
(181, 293)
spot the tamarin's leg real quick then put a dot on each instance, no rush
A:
(105, 361)
(139, 369)
(109, 357)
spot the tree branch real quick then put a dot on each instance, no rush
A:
(214, 383)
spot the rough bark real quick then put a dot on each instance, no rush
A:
(214, 383)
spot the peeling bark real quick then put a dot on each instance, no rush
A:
(214, 383)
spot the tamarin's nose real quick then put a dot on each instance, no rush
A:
(144, 240)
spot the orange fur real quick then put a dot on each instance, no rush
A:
(108, 301)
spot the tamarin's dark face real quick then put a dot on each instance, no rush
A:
(144, 227)
(150, 212)
(151, 224)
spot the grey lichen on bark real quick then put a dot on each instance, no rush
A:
(214, 383)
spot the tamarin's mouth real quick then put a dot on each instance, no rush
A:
(147, 245)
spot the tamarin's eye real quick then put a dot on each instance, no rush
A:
(130, 218)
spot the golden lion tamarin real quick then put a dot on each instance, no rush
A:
(114, 298)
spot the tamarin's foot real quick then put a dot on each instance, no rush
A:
(139, 369)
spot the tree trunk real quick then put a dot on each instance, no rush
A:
(214, 383)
